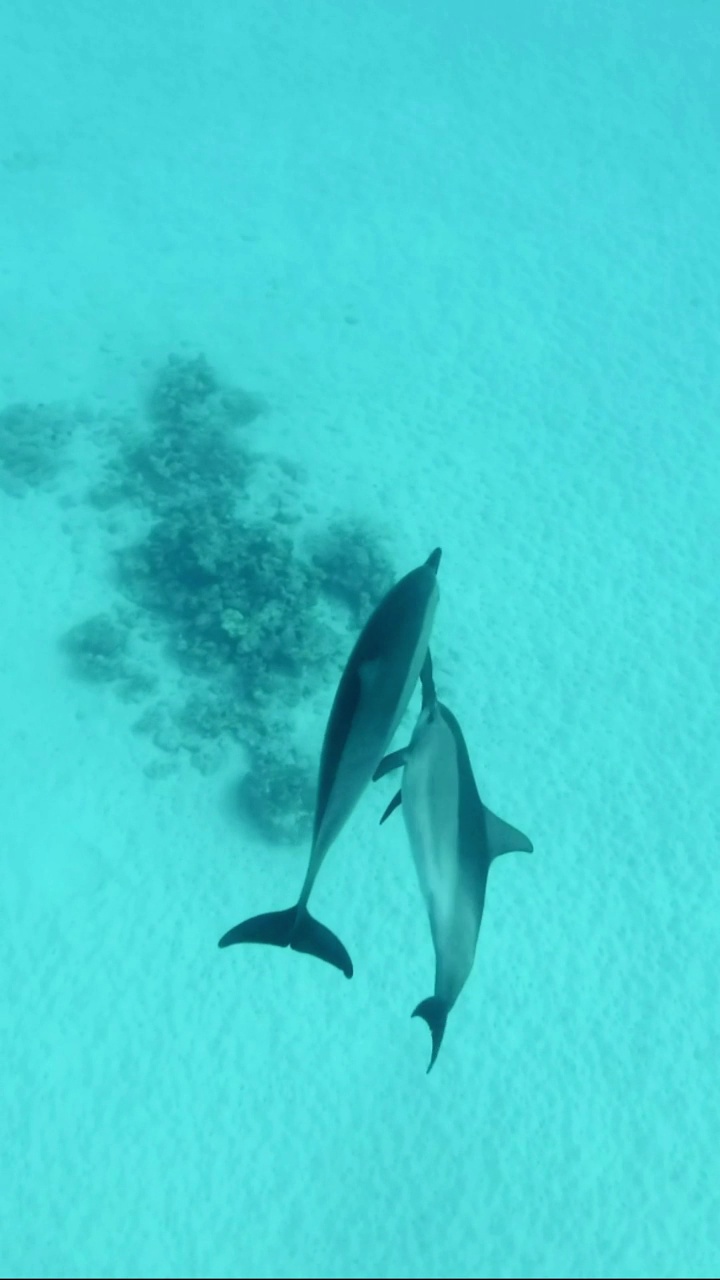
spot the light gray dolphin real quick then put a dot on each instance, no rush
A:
(371, 699)
(453, 838)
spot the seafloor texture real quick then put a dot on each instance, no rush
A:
(445, 274)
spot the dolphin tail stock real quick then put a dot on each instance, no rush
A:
(294, 928)
(435, 1012)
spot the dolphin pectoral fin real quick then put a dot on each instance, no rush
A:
(395, 760)
(502, 838)
(294, 928)
(315, 939)
(393, 805)
(435, 1012)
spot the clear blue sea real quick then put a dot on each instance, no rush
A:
(292, 292)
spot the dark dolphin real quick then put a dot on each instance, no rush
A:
(371, 699)
(453, 838)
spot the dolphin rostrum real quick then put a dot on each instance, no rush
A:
(371, 699)
(453, 838)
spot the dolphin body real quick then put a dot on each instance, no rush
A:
(453, 838)
(371, 699)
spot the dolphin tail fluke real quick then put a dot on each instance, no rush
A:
(315, 939)
(435, 1012)
(274, 928)
(294, 928)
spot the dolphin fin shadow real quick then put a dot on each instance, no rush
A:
(294, 928)
(435, 1012)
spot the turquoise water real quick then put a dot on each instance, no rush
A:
(462, 261)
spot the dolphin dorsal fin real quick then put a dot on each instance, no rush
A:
(427, 683)
(502, 838)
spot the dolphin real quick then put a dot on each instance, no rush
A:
(454, 838)
(371, 699)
